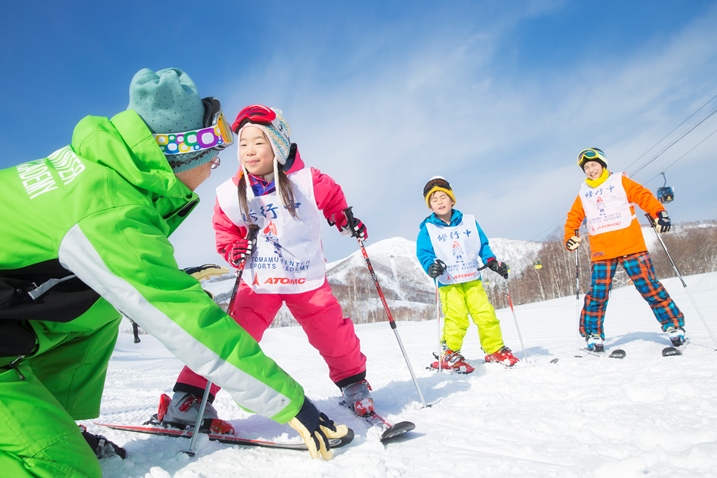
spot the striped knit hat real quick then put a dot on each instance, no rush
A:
(278, 132)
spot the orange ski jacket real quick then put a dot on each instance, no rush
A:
(622, 242)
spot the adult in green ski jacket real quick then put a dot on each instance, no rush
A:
(85, 238)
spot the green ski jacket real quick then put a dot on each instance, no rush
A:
(103, 209)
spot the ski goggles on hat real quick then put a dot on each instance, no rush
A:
(591, 154)
(255, 114)
(216, 133)
(436, 183)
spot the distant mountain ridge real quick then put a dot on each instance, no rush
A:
(409, 291)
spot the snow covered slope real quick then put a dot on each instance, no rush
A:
(581, 417)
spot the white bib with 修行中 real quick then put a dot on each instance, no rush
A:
(288, 258)
(458, 247)
(606, 206)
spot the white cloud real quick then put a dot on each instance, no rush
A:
(443, 105)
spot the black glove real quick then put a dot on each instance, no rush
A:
(102, 447)
(498, 267)
(436, 269)
(663, 222)
(238, 252)
(315, 429)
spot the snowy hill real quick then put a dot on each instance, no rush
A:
(581, 417)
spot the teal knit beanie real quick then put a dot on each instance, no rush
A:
(168, 101)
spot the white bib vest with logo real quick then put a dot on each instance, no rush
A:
(288, 258)
(606, 206)
(458, 247)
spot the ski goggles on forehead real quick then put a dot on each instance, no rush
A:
(254, 114)
(590, 154)
(216, 133)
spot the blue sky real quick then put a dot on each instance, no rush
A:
(498, 97)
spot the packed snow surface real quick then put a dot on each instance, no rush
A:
(645, 415)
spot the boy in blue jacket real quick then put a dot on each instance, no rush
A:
(451, 248)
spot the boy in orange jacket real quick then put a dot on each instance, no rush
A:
(607, 200)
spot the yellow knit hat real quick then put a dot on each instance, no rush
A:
(437, 183)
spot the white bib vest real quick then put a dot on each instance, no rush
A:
(288, 258)
(606, 206)
(458, 247)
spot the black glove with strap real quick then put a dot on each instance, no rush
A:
(498, 267)
(436, 269)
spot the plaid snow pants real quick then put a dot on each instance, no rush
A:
(639, 267)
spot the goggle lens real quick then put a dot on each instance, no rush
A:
(590, 154)
(254, 114)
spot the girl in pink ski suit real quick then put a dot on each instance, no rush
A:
(274, 191)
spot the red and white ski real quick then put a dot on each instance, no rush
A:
(388, 430)
(231, 439)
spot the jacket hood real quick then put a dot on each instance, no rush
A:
(126, 145)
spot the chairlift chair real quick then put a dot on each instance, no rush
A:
(665, 193)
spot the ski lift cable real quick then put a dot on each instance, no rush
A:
(548, 230)
(544, 233)
(674, 142)
(688, 152)
(673, 130)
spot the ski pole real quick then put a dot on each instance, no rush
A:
(438, 322)
(684, 284)
(515, 319)
(577, 287)
(251, 234)
(200, 418)
(352, 223)
(252, 231)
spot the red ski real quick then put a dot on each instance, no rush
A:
(231, 439)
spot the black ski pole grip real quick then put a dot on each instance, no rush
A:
(351, 220)
(252, 232)
(650, 220)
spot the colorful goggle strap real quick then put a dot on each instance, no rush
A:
(215, 135)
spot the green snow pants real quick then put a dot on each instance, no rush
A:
(459, 300)
(63, 382)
